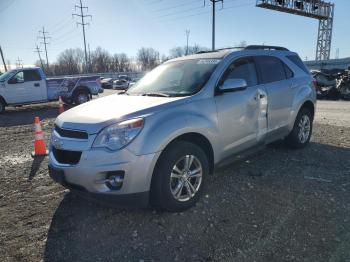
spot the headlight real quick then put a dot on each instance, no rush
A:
(119, 135)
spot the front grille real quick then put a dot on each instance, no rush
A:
(66, 156)
(71, 133)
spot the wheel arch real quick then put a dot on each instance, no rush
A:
(310, 106)
(199, 140)
(2, 99)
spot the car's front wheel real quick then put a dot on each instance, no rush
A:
(2, 106)
(179, 176)
(302, 130)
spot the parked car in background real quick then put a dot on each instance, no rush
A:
(158, 141)
(30, 85)
(122, 82)
(107, 83)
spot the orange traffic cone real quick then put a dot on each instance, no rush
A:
(61, 107)
(39, 143)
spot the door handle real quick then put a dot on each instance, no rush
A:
(36, 84)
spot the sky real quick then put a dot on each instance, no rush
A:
(124, 26)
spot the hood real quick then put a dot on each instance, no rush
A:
(99, 113)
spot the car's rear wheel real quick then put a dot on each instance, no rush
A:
(302, 130)
(179, 177)
(81, 97)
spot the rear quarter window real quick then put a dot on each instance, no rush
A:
(297, 61)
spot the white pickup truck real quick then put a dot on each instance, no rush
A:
(30, 86)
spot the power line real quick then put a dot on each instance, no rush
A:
(179, 12)
(205, 12)
(83, 24)
(176, 6)
(45, 37)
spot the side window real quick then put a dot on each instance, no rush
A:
(271, 69)
(17, 78)
(243, 68)
(289, 73)
(296, 60)
(31, 75)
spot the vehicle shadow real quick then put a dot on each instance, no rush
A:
(25, 115)
(242, 217)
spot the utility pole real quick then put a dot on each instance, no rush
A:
(83, 24)
(19, 63)
(213, 23)
(41, 61)
(3, 59)
(44, 37)
(187, 36)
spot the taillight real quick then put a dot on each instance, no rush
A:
(98, 81)
(314, 83)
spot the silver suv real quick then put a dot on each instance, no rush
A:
(158, 141)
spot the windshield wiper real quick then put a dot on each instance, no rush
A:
(156, 94)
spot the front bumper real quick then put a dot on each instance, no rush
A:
(94, 166)
(134, 200)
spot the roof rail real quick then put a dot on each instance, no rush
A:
(220, 49)
(265, 47)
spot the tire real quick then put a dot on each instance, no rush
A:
(166, 182)
(67, 101)
(303, 120)
(81, 97)
(2, 106)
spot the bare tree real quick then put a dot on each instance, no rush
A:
(181, 51)
(148, 58)
(69, 62)
(101, 61)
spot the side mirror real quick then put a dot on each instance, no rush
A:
(231, 85)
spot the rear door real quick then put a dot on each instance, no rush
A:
(277, 79)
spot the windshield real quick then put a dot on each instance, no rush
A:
(7, 75)
(179, 78)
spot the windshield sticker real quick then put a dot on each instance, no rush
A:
(208, 62)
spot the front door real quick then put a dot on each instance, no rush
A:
(26, 86)
(239, 112)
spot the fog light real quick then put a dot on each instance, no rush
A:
(115, 179)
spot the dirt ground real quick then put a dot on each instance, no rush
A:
(278, 205)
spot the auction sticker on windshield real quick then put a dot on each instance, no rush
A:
(208, 62)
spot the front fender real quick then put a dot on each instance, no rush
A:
(160, 131)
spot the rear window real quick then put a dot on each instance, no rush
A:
(297, 61)
(271, 69)
(31, 75)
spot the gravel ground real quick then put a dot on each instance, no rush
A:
(277, 205)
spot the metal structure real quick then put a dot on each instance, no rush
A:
(45, 43)
(39, 51)
(317, 9)
(83, 24)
